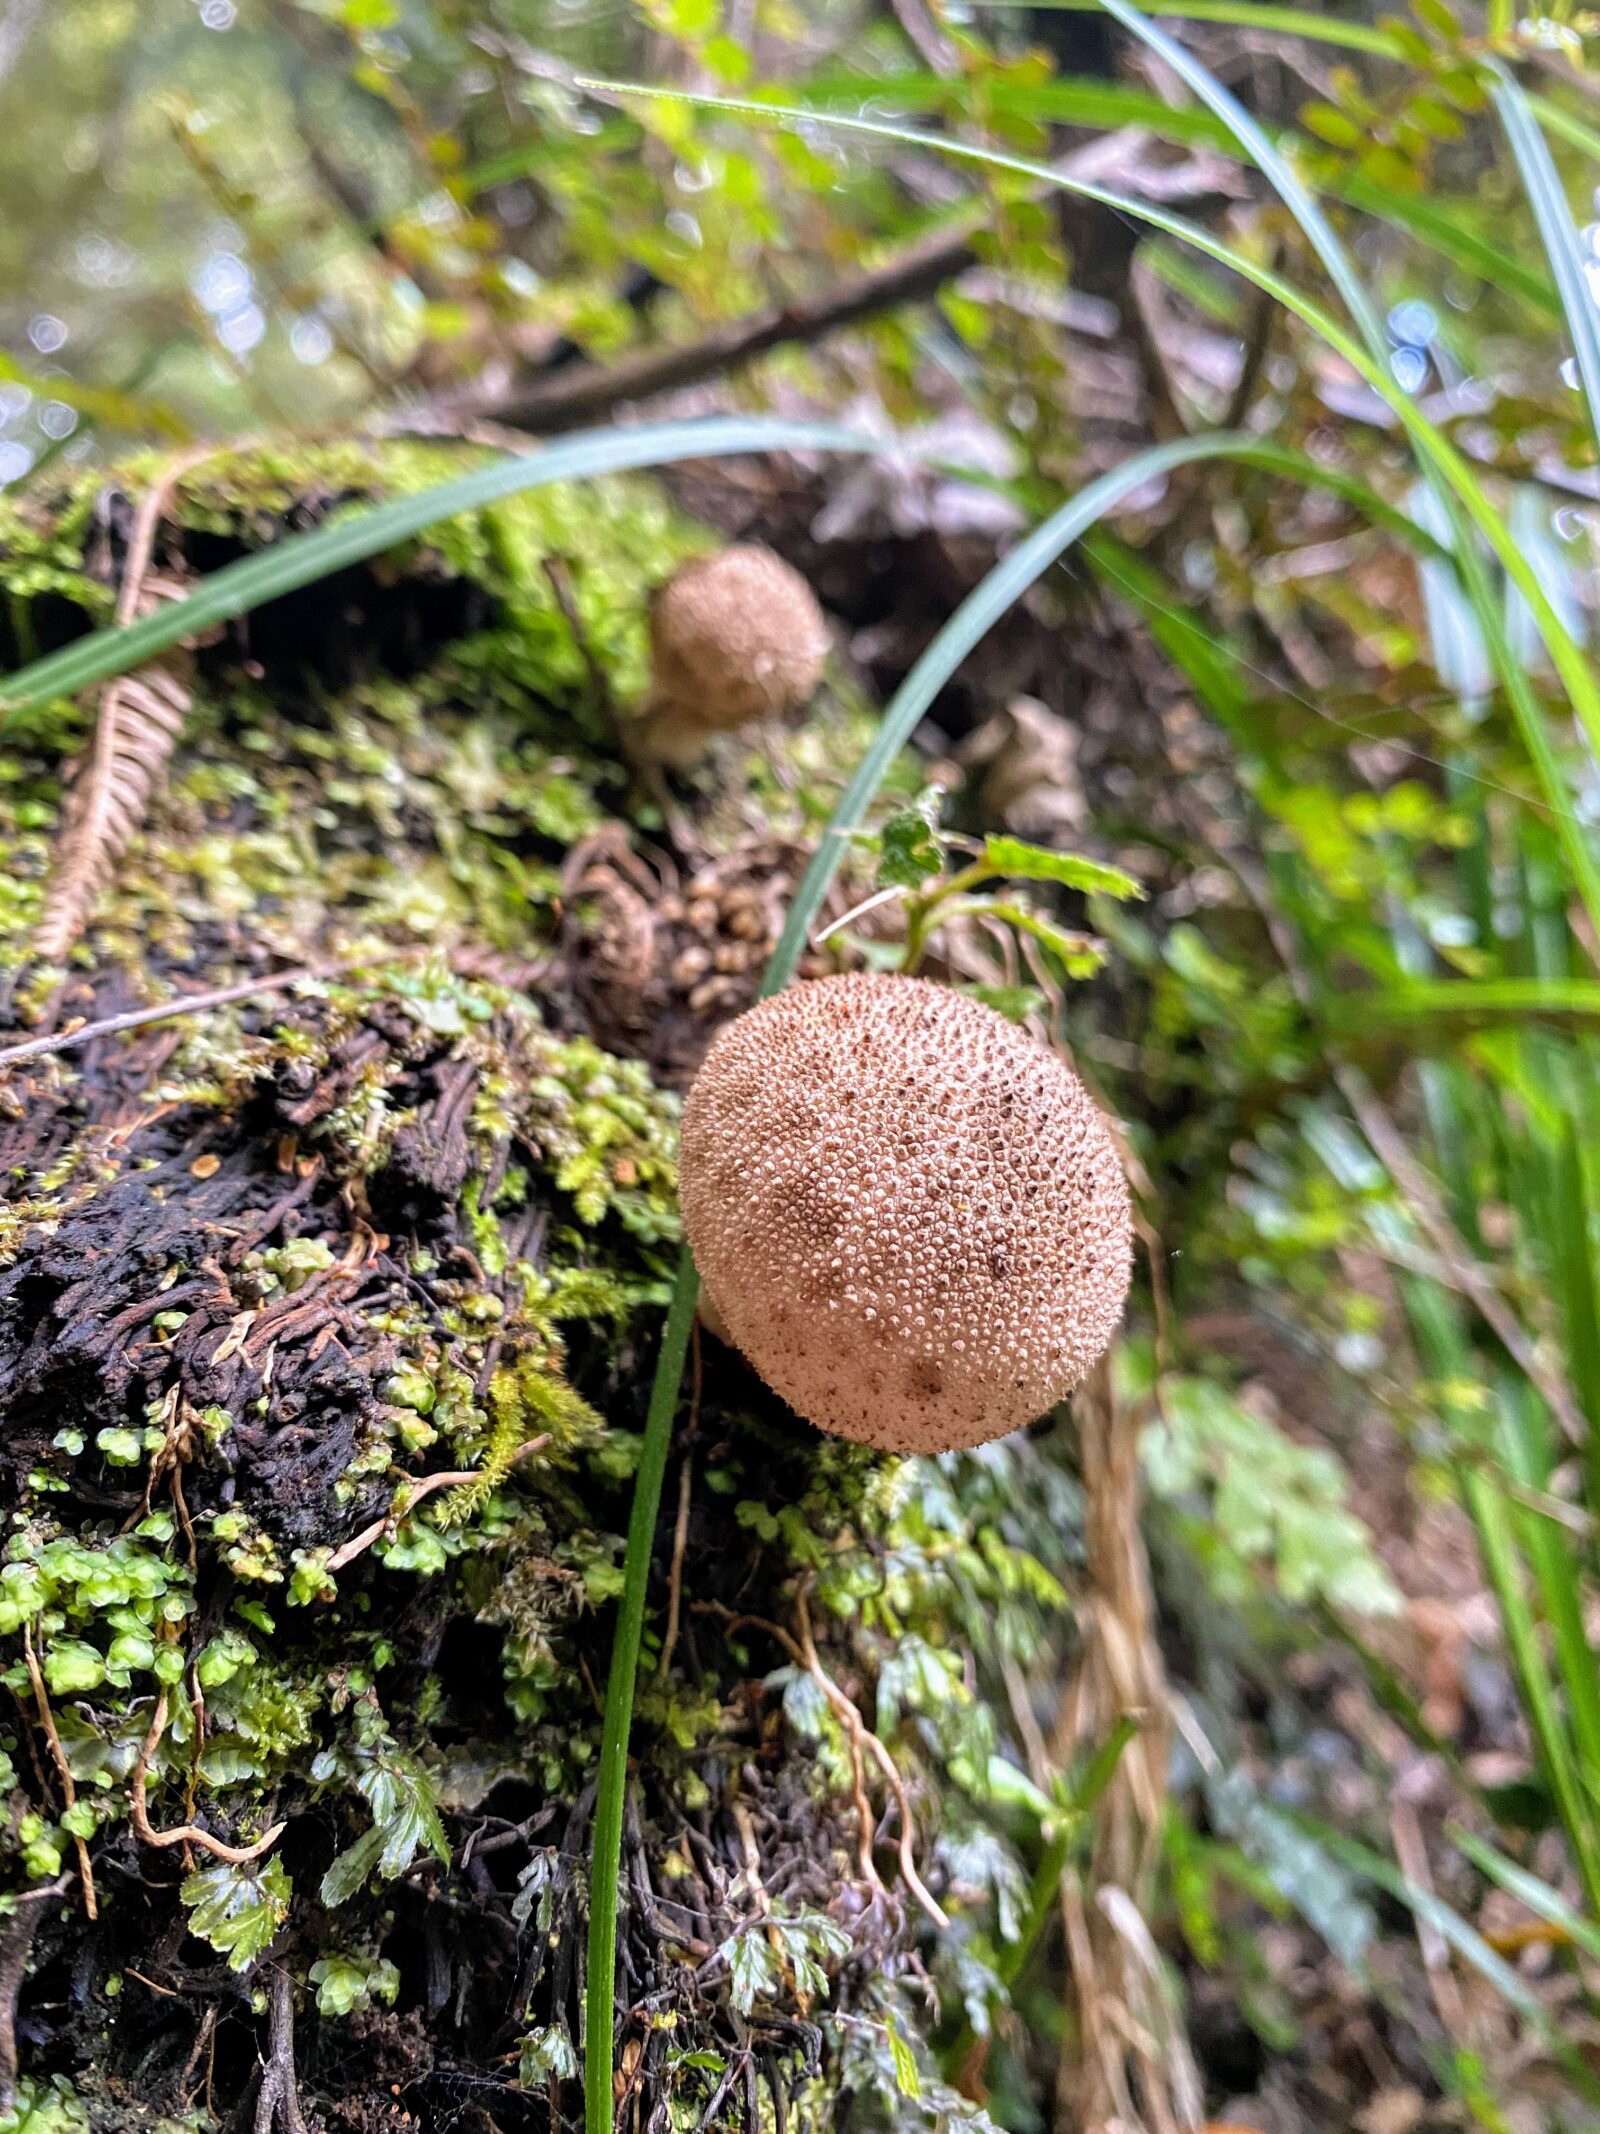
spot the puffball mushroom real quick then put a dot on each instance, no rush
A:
(908, 1214)
(733, 636)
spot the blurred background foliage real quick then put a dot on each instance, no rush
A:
(1352, 1030)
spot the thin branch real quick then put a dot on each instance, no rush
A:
(589, 390)
(278, 2099)
(185, 1833)
(423, 1487)
(47, 1723)
(165, 1011)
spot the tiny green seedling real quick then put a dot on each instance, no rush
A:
(940, 876)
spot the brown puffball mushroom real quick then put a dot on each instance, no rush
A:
(733, 637)
(909, 1214)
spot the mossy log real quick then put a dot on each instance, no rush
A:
(296, 1778)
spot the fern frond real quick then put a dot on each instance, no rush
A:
(141, 717)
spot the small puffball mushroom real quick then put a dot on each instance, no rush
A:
(733, 637)
(909, 1215)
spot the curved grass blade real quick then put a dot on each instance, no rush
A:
(1538, 1896)
(1563, 125)
(1438, 455)
(1005, 584)
(1487, 1000)
(1465, 1939)
(1270, 160)
(1248, 15)
(1072, 100)
(304, 558)
(1548, 198)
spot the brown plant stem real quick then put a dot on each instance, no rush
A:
(69, 1792)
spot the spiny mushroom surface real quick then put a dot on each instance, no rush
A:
(733, 636)
(909, 1215)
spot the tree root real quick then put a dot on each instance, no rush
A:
(69, 1791)
(278, 2099)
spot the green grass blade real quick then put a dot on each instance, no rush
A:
(1467, 1942)
(1071, 100)
(1486, 1000)
(1548, 198)
(1553, 1554)
(1563, 125)
(1439, 227)
(1498, 1533)
(1247, 15)
(304, 558)
(1274, 166)
(976, 615)
(1539, 1897)
(611, 1792)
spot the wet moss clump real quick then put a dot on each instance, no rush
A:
(326, 1325)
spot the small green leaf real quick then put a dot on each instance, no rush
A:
(753, 1967)
(1035, 863)
(351, 1868)
(237, 1909)
(546, 2054)
(1015, 1002)
(71, 1665)
(906, 2079)
(909, 852)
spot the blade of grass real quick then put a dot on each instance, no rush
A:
(1491, 1513)
(1548, 198)
(1557, 1569)
(1487, 1000)
(304, 558)
(1564, 125)
(612, 1788)
(1538, 1896)
(1069, 100)
(1246, 15)
(1269, 159)
(1467, 1942)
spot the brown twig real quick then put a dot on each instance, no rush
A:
(16, 1943)
(589, 390)
(278, 2099)
(165, 1011)
(680, 1542)
(420, 1489)
(69, 1792)
(880, 1755)
(185, 1833)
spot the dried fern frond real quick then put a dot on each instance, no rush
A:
(141, 717)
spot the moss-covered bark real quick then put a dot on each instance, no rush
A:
(264, 1268)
